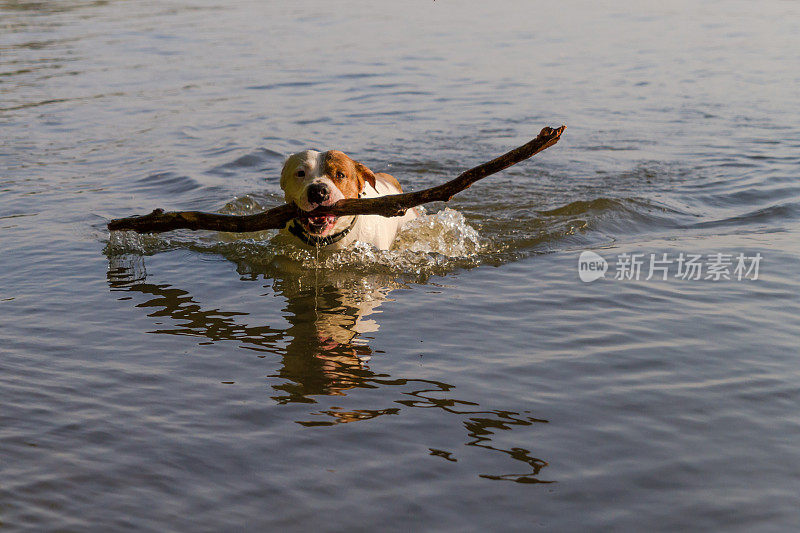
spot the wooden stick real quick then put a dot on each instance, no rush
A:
(388, 206)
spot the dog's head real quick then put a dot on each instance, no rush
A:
(311, 179)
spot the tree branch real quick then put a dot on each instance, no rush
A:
(388, 206)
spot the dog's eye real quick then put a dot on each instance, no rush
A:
(301, 173)
(340, 175)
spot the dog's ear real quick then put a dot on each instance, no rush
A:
(365, 175)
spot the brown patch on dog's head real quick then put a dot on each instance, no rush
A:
(348, 175)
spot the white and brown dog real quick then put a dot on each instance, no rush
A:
(311, 179)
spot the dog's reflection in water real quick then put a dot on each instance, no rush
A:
(324, 349)
(330, 317)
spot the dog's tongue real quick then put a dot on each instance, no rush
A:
(318, 221)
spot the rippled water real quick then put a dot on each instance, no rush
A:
(467, 379)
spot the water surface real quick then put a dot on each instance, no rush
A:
(466, 379)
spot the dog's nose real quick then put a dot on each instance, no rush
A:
(318, 193)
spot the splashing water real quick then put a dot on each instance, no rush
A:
(446, 233)
(431, 244)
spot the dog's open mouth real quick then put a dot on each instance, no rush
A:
(318, 225)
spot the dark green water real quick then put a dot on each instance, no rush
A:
(466, 380)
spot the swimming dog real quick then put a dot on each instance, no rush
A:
(311, 179)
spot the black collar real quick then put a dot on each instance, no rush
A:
(312, 240)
